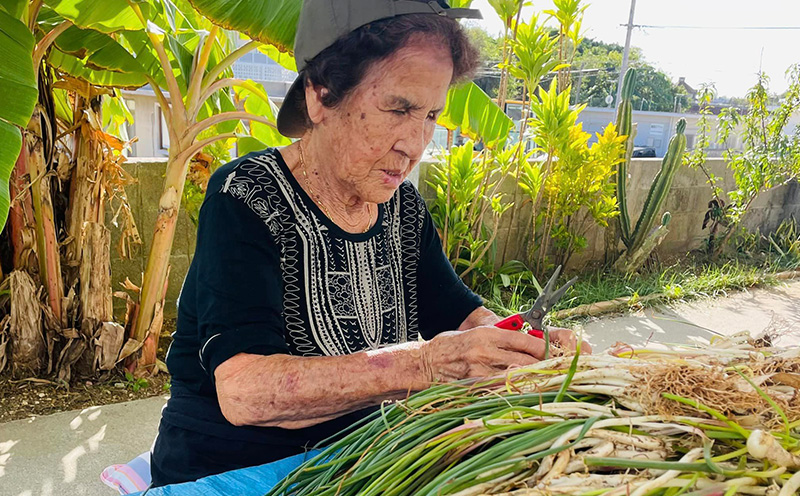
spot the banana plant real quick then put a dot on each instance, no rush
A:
(56, 141)
(187, 62)
(17, 78)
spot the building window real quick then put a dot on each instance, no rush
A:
(163, 130)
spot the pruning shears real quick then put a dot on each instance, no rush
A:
(535, 316)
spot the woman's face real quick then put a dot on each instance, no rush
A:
(378, 133)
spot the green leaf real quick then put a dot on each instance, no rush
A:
(273, 22)
(75, 67)
(221, 101)
(506, 9)
(108, 16)
(18, 84)
(247, 144)
(17, 76)
(257, 102)
(10, 145)
(469, 108)
(184, 59)
(14, 7)
(62, 105)
(138, 44)
(283, 59)
(116, 116)
(98, 50)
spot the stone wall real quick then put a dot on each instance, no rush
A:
(687, 202)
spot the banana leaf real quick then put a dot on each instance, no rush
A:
(18, 84)
(107, 16)
(14, 7)
(256, 102)
(99, 50)
(112, 79)
(273, 22)
(282, 58)
(469, 108)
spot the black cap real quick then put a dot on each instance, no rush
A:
(322, 22)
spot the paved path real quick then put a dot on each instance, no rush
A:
(698, 321)
(63, 454)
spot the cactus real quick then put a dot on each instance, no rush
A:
(633, 260)
(661, 185)
(642, 239)
(625, 127)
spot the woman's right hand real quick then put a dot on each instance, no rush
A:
(478, 352)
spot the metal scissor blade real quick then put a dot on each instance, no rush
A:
(548, 288)
(540, 304)
(554, 297)
(546, 299)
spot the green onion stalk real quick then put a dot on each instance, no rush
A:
(718, 419)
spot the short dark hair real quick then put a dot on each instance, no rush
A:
(341, 67)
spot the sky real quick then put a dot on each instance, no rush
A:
(728, 58)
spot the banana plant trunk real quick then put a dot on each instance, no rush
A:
(20, 216)
(148, 323)
(44, 216)
(80, 195)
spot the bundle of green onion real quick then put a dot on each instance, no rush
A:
(715, 420)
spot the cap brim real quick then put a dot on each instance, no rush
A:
(290, 122)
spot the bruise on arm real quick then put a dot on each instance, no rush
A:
(295, 392)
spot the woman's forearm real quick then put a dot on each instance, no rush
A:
(295, 392)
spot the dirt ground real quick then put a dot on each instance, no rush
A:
(35, 397)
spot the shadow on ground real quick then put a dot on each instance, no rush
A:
(63, 454)
(697, 322)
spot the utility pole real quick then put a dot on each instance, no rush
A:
(625, 53)
(580, 80)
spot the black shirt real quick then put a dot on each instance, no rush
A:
(272, 274)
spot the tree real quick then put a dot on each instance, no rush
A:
(655, 90)
(594, 74)
(769, 158)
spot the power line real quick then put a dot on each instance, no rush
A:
(751, 28)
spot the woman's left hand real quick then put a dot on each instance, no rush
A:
(568, 340)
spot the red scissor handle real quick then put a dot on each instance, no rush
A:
(515, 323)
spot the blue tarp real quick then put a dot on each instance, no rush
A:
(251, 481)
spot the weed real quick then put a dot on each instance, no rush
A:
(135, 384)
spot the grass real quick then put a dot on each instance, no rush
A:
(689, 278)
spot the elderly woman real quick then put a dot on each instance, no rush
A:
(317, 267)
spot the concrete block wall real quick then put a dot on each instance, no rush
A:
(687, 202)
(143, 198)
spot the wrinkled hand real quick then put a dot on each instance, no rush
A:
(486, 351)
(478, 352)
